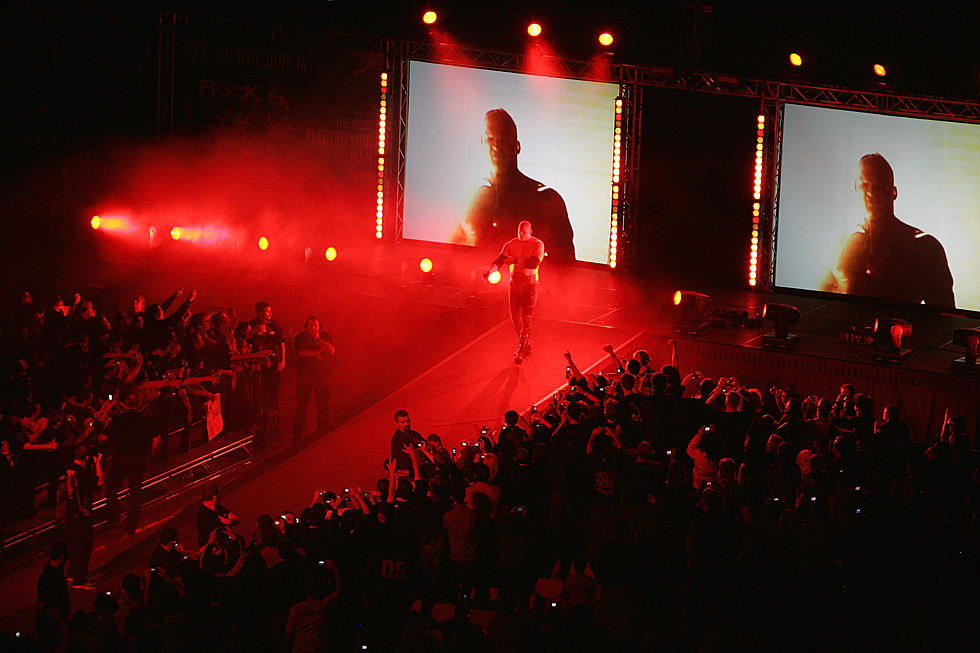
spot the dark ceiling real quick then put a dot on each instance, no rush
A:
(929, 48)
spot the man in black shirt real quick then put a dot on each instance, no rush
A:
(404, 435)
(130, 434)
(163, 587)
(266, 335)
(212, 515)
(84, 475)
(52, 599)
(313, 351)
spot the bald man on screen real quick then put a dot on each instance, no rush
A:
(509, 195)
(888, 258)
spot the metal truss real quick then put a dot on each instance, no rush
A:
(768, 226)
(823, 96)
(629, 172)
(397, 67)
(665, 77)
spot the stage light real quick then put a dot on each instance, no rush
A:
(970, 340)
(382, 136)
(176, 233)
(760, 132)
(888, 334)
(880, 70)
(430, 17)
(616, 169)
(263, 243)
(782, 316)
(330, 254)
(796, 59)
(96, 222)
(693, 311)
(534, 29)
(425, 265)
(494, 277)
(606, 39)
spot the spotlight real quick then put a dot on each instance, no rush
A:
(693, 311)
(263, 243)
(330, 254)
(494, 277)
(879, 70)
(176, 233)
(970, 339)
(888, 334)
(795, 59)
(430, 17)
(606, 39)
(425, 265)
(534, 29)
(782, 316)
(96, 222)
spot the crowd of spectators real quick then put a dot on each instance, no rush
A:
(80, 385)
(638, 510)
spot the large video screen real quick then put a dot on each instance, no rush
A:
(486, 149)
(879, 206)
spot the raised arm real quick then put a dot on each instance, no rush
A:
(614, 358)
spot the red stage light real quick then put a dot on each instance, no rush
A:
(330, 254)
(382, 135)
(494, 277)
(113, 223)
(176, 233)
(606, 39)
(425, 265)
(880, 70)
(678, 296)
(263, 243)
(534, 29)
(430, 17)
(796, 59)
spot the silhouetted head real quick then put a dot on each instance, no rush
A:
(501, 140)
(877, 184)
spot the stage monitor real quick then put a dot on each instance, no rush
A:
(486, 149)
(879, 206)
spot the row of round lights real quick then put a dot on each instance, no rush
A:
(796, 60)
(194, 234)
(426, 265)
(757, 200)
(534, 30)
(382, 133)
(617, 162)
